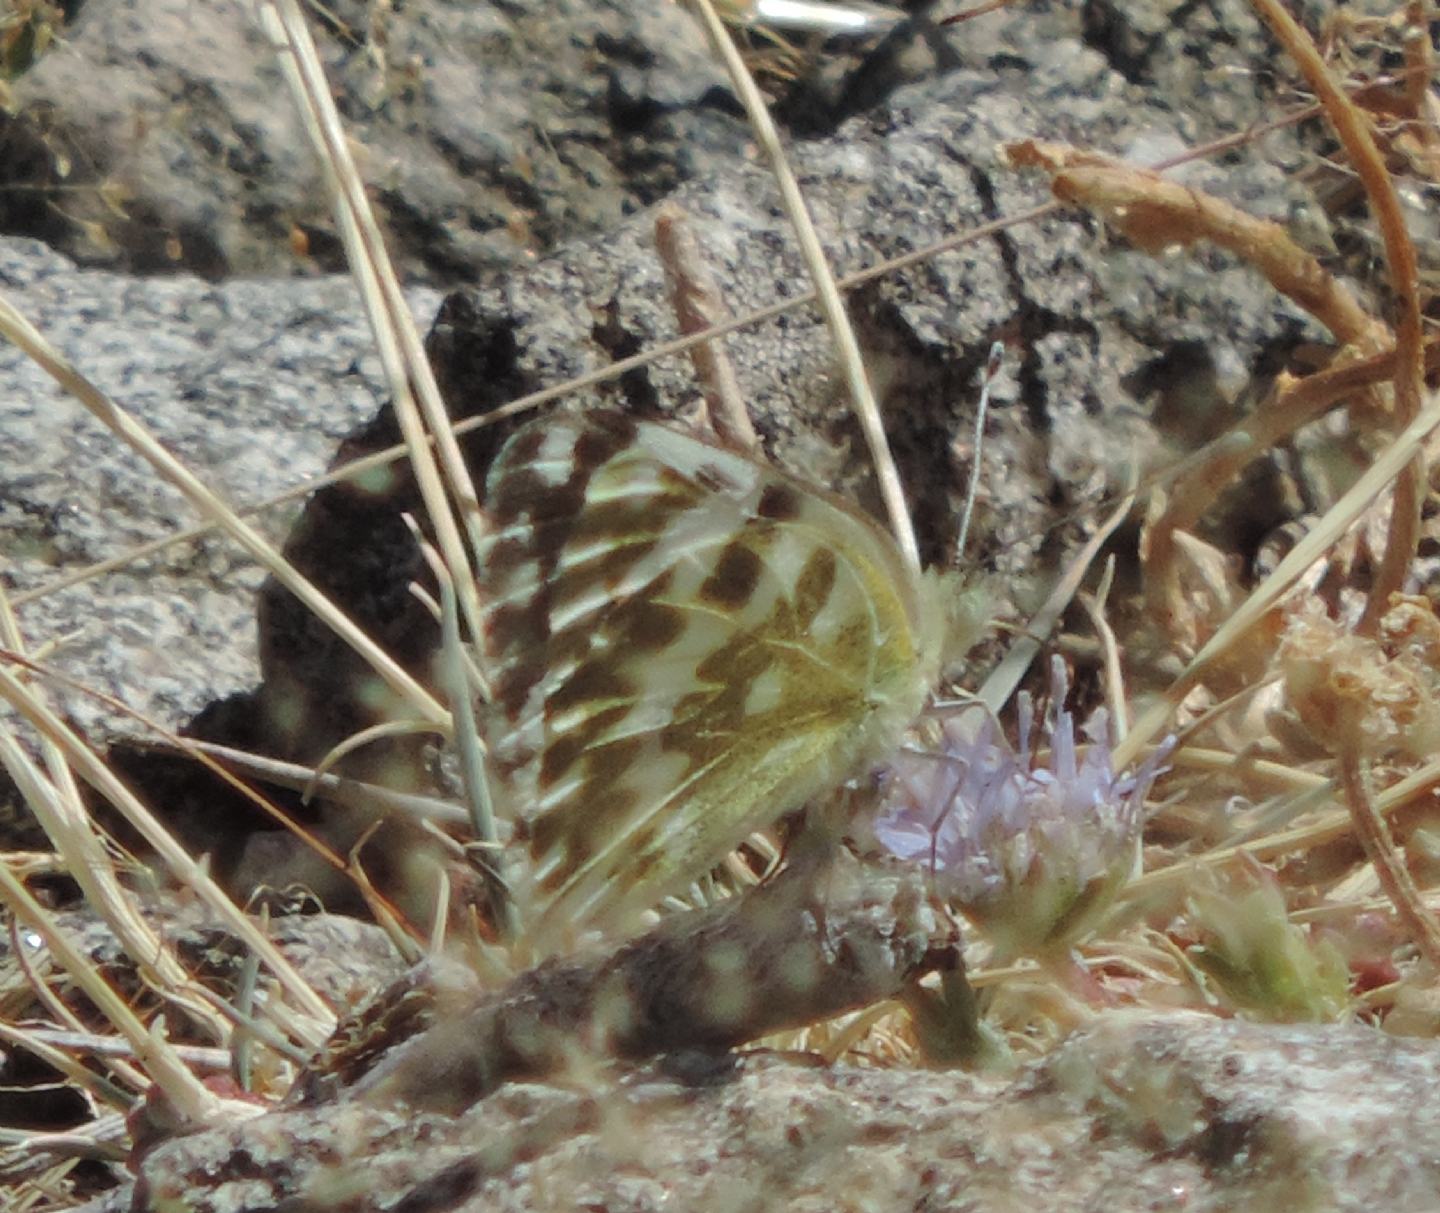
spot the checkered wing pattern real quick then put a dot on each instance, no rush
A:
(684, 645)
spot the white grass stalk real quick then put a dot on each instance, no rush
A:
(402, 352)
(55, 802)
(58, 810)
(43, 1046)
(352, 793)
(847, 349)
(95, 1045)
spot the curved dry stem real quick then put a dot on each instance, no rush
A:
(1358, 137)
(356, 741)
(1394, 878)
(1293, 404)
(1388, 464)
(1157, 214)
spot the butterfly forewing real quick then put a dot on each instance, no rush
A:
(684, 644)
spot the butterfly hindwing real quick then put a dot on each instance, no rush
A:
(683, 645)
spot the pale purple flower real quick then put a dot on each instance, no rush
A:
(1025, 849)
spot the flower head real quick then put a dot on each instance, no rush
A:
(1028, 843)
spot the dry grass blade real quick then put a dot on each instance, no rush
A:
(112, 1046)
(1294, 404)
(378, 801)
(1332, 826)
(58, 810)
(186, 1093)
(847, 349)
(1006, 676)
(52, 1052)
(353, 793)
(401, 350)
(185, 869)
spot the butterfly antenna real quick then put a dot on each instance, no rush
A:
(992, 368)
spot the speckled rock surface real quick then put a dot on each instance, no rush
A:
(488, 130)
(251, 384)
(1139, 1112)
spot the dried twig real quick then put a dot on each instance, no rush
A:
(699, 306)
(1394, 878)
(1155, 214)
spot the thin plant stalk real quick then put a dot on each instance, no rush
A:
(847, 349)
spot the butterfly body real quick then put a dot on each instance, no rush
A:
(684, 644)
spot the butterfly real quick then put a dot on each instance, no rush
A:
(683, 644)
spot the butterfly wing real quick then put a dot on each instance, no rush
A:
(684, 645)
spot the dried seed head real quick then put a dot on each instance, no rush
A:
(1360, 695)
